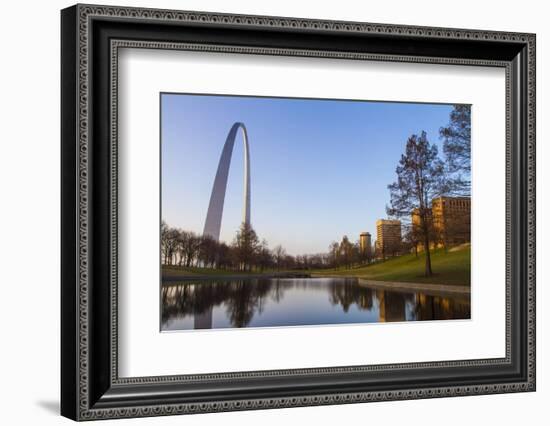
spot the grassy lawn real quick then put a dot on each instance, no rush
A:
(452, 268)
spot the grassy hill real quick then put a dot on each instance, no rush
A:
(452, 268)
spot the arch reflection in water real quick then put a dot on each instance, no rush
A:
(272, 302)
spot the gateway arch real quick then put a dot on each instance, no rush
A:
(213, 221)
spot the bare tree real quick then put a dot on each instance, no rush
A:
(346, 251)
(190, 243)
(279, 253)
(223, 256)
(334, 253)
(207, 250)
(164, 228)
(264, 257)
(420, 178)
(246, 244)
(169, 242)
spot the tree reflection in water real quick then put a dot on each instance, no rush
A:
(240, 301)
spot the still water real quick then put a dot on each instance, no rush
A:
(272, 302)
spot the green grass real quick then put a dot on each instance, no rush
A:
(451, 268)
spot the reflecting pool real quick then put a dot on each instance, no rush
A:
(275, 302)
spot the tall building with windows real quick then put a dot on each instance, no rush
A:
(388, 237)
(449, 221)
(365, 244)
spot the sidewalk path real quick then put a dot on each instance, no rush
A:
(422, 287)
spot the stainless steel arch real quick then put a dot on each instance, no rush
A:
(213, 221)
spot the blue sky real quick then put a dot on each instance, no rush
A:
(319, 168)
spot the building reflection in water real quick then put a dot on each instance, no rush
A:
(205, 304)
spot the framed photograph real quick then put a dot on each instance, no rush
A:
(263, 212)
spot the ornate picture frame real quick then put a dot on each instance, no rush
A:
(91, 37)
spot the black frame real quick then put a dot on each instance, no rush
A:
(90, 386)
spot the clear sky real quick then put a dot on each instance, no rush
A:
(319, 168)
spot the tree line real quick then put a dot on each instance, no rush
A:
(247, 253)
(189, 249)
(347, 254)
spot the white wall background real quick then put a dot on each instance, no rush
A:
(29, 211)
